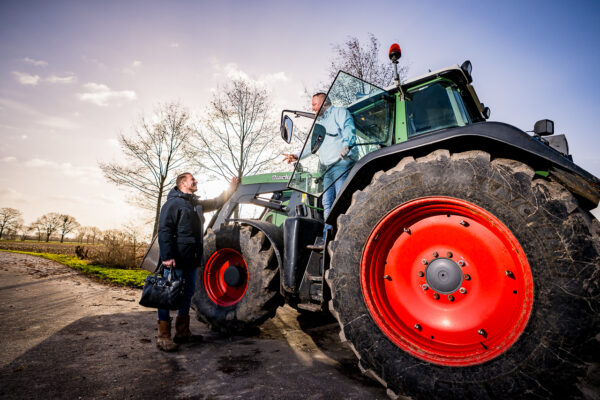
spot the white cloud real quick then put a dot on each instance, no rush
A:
(94, 61)
(37, 162)
(61, 79)
(131, 69)
(26, 79)
(5, 102)
(9, 196)
(113, 142)
(8, 159)
(101, 95)
(31, 114)
(66, 168)
(57, 123)
(232, 71)
(37, 63)
(174, 44)
(24, 137)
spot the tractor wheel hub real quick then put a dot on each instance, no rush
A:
(233, 276)
(443, 275)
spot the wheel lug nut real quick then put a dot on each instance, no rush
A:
(510, 274)
(435, 254)
(424, 261)
(450, 297)
(425, 286)
(387, 277)
(462, 290)
(482, 332)
(407, 230)
(467, 277)
(461, 263)
(449, 254)
(418, 327)
(464, 223)
(421, 274)
(436, 296)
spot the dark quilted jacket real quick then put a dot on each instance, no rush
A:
(180, 226)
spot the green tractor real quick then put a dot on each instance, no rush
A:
(463, 262)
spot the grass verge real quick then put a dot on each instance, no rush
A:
(123, 277)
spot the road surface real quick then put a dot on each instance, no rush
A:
(65, 336)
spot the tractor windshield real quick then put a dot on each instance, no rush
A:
(435, 106)
(355, 119)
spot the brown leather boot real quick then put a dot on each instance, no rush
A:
(182, 331)
(164, 341)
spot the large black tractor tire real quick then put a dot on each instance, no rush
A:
(423, 239)
(242, 298)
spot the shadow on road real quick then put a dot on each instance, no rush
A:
(114, 356)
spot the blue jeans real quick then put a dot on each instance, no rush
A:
(340, 172)
(189, 275)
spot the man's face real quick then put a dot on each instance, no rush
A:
(189, 184)
(317, 101)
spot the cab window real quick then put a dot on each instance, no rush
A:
(433, 107)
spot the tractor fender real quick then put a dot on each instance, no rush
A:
(271, 231)
(499, 139)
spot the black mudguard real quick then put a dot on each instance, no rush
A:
(271, 231)
(498, 139)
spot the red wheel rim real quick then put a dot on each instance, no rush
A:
(446, 281)
(218, 290)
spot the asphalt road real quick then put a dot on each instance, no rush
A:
(65, 336)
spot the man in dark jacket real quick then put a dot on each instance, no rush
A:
(180, 241)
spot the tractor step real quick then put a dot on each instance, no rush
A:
(309, 307)
(315, 278)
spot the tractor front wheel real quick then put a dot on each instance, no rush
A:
(238, 283)
(471, 278)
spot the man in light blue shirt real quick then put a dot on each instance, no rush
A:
(336, 154)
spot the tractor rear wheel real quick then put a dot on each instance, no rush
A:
(238, 283)
(471, 278)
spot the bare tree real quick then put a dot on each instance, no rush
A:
(237, 138)
(48, 224)
(36, 226)
(94, 233)
(363, 62)
(81, 233)
(9, 219)
(134, 235)
(151, 156)
(67, 224)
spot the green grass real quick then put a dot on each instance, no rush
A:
(123, 277)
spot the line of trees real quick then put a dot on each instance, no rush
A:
(57, 226)
(237, 137)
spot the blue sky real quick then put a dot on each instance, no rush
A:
(75, 74)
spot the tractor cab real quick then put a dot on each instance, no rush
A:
(380, 118)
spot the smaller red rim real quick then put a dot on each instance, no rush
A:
(488, 304)
(217, 289)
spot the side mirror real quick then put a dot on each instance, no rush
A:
(486, 111)
(318, 136)
(287, 126)
(543, 127)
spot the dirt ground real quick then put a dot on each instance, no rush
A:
(65, 336)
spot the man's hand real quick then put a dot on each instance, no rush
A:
(169, 263)
(289, 158)
(234, 183)
(344, 152)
